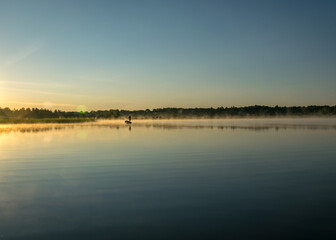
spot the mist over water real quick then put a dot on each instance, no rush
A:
(197, 179)
(240, 123)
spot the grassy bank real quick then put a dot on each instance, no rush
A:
(45, 120)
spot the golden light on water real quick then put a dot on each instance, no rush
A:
(82, 134)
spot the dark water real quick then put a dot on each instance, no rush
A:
(247, 179)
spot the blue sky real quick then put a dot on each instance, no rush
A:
(148, 54)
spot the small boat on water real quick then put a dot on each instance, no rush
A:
(129, 120)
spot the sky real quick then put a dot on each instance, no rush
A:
(165, 53)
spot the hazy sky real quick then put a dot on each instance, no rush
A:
(147, 54)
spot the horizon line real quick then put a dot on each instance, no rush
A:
(79, 107)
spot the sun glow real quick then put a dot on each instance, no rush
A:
(81, 108)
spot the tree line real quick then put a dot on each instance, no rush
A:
(158, 113)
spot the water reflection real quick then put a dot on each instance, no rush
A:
(168, 180)
(219, 125)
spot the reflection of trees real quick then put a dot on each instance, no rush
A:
(22, 128)
(236, 127)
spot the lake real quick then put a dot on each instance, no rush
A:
(188, 179)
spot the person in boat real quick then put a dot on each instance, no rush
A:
(129, 118)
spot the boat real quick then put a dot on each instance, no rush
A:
(129, 120)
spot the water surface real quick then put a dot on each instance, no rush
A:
(197, 179)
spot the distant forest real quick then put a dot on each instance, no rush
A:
(166, 113)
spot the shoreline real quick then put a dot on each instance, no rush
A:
(45, 120)
(158, 120)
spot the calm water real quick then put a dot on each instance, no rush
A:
(224, 179)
